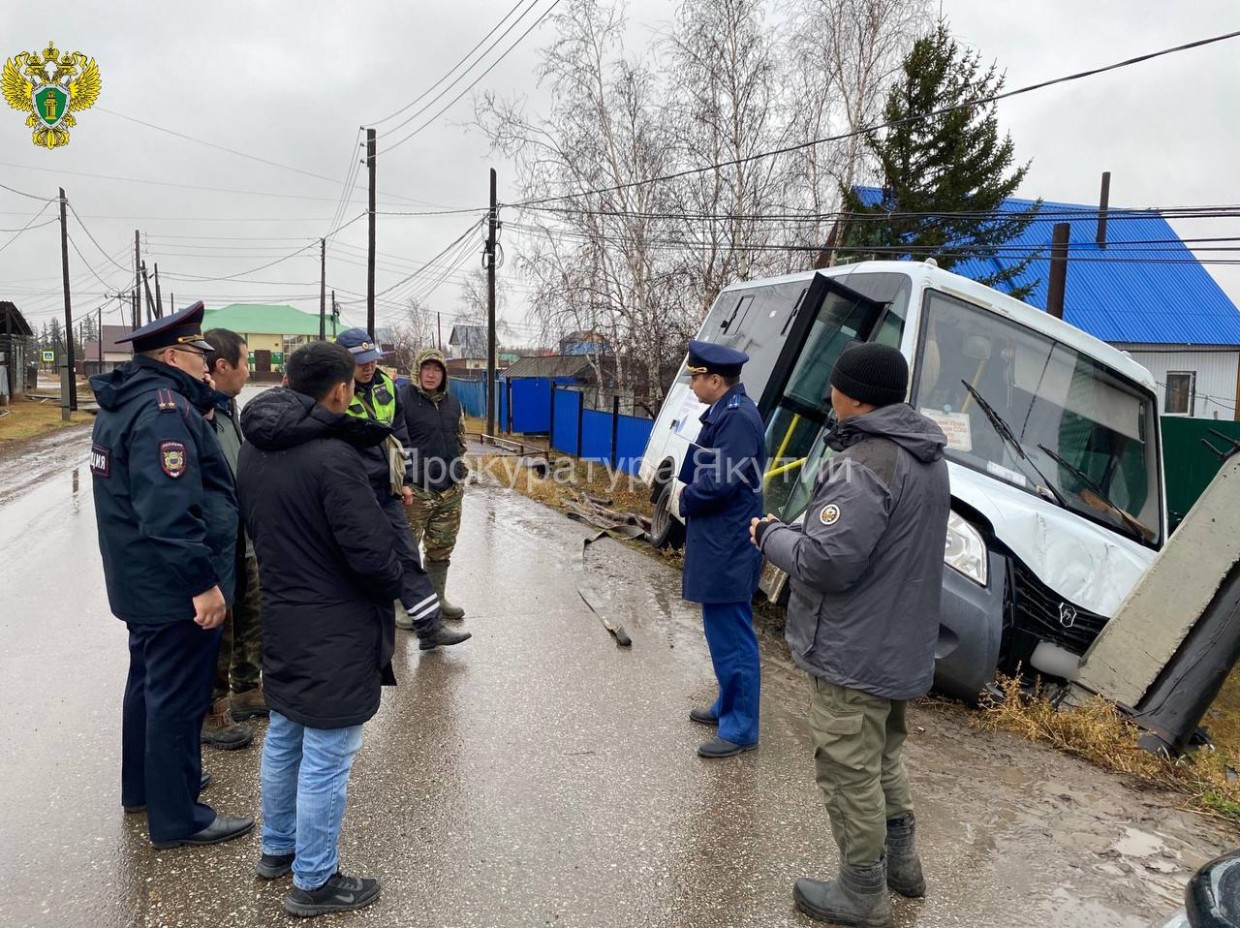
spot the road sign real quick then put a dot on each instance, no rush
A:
(49, 357)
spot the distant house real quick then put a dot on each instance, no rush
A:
(19, 356)
(100, 358)
(1133, 283)
(468, 344)
(584, 343)
(271, 332)
(562, 368)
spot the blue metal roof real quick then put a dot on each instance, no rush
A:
(1144, 287)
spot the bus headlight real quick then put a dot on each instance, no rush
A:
(965, 552)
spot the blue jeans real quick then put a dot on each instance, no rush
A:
(305, 775)
(734, 652)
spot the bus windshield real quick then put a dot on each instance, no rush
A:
(1039, 415)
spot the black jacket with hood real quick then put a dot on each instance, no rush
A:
(164, 501)
(325, 550)
(866, 568)
(435, 426)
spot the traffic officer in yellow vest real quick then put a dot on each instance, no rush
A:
(374, 397)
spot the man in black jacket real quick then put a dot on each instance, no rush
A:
(435, 424)
(329, 578)
(167, 519)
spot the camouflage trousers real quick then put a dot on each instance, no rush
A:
(239, 664)
(435, 518)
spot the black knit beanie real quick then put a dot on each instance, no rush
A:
(871, 373)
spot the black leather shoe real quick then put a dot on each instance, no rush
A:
(718, 747)
(703, 717)
(443, 636)
(224, 828)
(202, 784)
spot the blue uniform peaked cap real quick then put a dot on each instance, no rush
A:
(709, 358)
(180, 328)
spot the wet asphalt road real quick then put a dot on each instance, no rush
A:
(535, 776)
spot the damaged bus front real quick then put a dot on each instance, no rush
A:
(1053, 449)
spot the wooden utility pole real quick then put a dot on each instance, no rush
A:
(64, 267)
(439, 330)
(370, 257)
(99, 334)
(1057, 284)
(159, 300)
(1104, 203)
(150, 300)
(322, 289)
(137, 279)
(490, 263)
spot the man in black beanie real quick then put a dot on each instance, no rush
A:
(866, 573)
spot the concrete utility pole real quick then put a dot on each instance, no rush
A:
(64, 266)
(489, 260)
(370, 257)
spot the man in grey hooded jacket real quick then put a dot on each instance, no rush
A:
(866, 573)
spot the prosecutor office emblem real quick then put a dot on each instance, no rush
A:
(50, 87)
(172, 458)
(830, 514)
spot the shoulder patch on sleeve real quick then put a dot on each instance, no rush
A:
(830, 514)
(172, 458)
(100, 461)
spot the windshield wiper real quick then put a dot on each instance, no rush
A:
(1005, 432)
(1136, 528)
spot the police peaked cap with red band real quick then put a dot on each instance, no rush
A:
(181, 328)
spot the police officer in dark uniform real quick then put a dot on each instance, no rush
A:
(375, 397)
(724, 471)
(167, 518)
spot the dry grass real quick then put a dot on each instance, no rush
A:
(27, 420)
(1099, 733)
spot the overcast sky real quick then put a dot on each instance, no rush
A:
(293, 82)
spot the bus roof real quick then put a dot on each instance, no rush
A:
(931, 275)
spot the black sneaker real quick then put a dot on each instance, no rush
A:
(274, 866)
(339, 894)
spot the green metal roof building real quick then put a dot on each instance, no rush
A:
(272, 332)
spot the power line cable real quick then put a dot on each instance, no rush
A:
(468, 55)
(981, 101)
(26, 228)
(453, 101)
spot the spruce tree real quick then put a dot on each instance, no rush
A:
(951, 170)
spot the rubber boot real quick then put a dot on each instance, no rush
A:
(904, 874)
(402, 617)
(437, 571)
(858, 897)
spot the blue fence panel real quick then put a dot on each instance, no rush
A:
(501, 406)
(596, 435)
(564, 431)
(531, 404)
(631, 439)
(471, 394)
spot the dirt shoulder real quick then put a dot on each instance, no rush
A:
(25, 420)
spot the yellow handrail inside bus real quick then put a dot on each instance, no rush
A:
(783, 470)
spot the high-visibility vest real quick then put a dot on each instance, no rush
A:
(382, 395)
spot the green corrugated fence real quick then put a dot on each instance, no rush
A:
(1189, 464)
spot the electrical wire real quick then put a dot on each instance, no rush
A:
(468, 55)
(27, 226)
(492, 66)
(971, 104)
(127, 270)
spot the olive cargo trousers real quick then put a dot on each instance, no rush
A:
(859, 761)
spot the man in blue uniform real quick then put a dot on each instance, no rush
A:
(723, 471)
(375, 397)
(167, 518)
